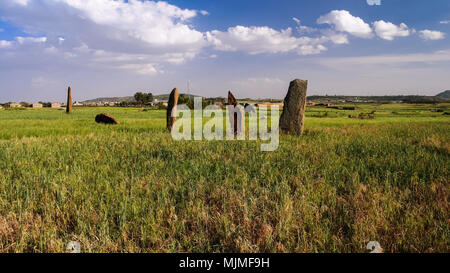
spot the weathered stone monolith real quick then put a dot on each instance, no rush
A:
(69, 101)
(105, 119)
(172, 109)
(293, 118)
(231, 99)
(234, 116)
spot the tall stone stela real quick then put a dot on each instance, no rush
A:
(172, 107)
(231, 99)
(69, 101)
(235, 122)
(293, 118)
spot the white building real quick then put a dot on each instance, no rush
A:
(14, 105)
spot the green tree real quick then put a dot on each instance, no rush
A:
(149, 97)
(143, 98)
(184, 99)
(139, 97)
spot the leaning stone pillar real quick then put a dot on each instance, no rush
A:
(237, 116)
(172, 108)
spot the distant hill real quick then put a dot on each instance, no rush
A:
(111, 99)
(166, 96)
(379, 99)
(444, 95)
(130, 98)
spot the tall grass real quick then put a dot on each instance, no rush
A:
(131, 188)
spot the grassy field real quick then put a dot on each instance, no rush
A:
(131, 188)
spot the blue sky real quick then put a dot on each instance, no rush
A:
(254, 48)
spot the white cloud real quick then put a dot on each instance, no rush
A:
(259, 80)
(303, 29)
(108, 24)
(204, 12)
(311, 49)
(143, 69)
(28, 40)
(339, 39)
(5, 44)
(388, 31)
(399, 59)
(39, 82)
(153, 23)
(135, 36)
(336, 38)
(374, 2)
(431, 34)
(254, 40)
(23, 41)
(258, 40)
(417, 73)
(445, 22)
(20, 2)
(1, 30)
(343, 21)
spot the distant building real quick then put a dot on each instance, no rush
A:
(56, 105)
(77, 104)
(271, 104)
(37, 105)
(310, 103)
(15, 105)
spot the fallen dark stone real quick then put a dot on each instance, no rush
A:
(105, 119)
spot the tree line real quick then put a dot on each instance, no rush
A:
(143, 98)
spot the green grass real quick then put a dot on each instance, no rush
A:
(131, 188)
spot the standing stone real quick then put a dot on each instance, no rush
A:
(231, 99)
(233, 116)
(293, 118)
(172, 107)
(69, 101)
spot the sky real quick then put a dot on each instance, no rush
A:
(105, 48)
